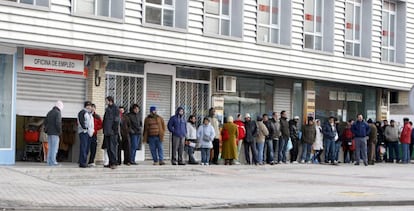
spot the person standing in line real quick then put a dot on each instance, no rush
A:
(191, 139)
(125, 140)
(43, 140)
(347, 143)
(284, 137)
(53, 129)
(405, 140)
(372, 142)
(205, 136)
(241, 134)
(391, 136)
(111, 122)
(412, 139)
(154, 130)
(85, 131)
(216, 142)
(250, 140)
(361, 130)
(329, 137)
(385, 124)
(380, 142)
(340, 127)
(276, 136)
(294, 137)
(269, 140)
(97, 124)
(309, 136)
(229, 147)
(318, 144)
(135, 121)
(262, 133)
(178, 127)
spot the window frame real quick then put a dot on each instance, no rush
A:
(270, 26)
(100, 17)
(354, 41)
(163, 7)
(19, 4)
(220, 17)
(315, 34)
(388, 47)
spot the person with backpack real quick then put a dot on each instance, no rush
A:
(348, 143)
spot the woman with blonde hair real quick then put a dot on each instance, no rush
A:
(229, 136)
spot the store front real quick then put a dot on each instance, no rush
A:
(7, 101)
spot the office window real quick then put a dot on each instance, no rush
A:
(104, 8)
(274, 21)
(43, 3)
(223, 17)
(353, 25)
(388, 31)
(318, 33)
(169, 13)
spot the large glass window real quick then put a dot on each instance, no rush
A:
(43, 3)
(268, 18)
(388, 31)
(6, 96)
(353, 28)
(170, 13)
(313, 24)
(223, 17)
(104, 8)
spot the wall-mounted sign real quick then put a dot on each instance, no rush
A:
(53, 62)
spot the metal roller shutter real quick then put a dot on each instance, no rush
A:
(159, 91)
(282, 101)
(38, 93)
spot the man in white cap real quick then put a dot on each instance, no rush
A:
(53, 128)
(250, 140)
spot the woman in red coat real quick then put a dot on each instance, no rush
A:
(405, 140)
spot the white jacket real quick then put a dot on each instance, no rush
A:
(191, 131)
(318, 144)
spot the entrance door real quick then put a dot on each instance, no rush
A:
(159, 92)
(7, 116)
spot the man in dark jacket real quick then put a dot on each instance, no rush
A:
(309, 136)
(330, 135)
(361, 130)
(53, 128)
(294, 137)
(124, 141)
(250, 140)
(372, 141)
(178, 127)
(284, 137)
(269, 140)
(111, 131)
(135, 120)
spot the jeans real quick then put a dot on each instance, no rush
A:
(135, 142)
(112, 149)
(84, 149)
(155, 145)
(282, 149)
(394, 152)
(177, 147)
(269, 151)
(190, 151)
(317, 156)
(337, 149)
(205, 155)
(260, 148)
(361, 149)
(250, 146)
(306, 151)
(329, 150)
(53, 142)
(216, 150)
(93, 146)
(405, 153)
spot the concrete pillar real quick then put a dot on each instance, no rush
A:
(309, 108)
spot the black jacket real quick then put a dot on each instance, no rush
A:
(294, 131)
(270, 128)
(111, 120)
(284, 128)
(251, 131)
(53, 122)
(135, 123)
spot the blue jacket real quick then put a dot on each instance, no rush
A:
(177, 124)
(328, 132)
(360, 129)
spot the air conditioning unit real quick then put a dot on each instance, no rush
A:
(226, 83)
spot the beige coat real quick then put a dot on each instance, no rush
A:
(262, 132)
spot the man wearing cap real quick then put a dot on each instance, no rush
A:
(154, 130)
(111, 122)
(391, 136)
(85, 131)
(53, 128)
(284, 137)
(294, 136)
(405, 140)
(250, 140)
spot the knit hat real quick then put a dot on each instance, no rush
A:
(247, 115)
(59, 105)
(153, 108)
(370, 121)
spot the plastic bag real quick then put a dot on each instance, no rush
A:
(289, 145)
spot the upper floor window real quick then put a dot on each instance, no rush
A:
(104, 8)
(353, 28)
(318, 33)
(223, 17)
(170, 13)
(393, 31)
(273, 21)
(43, 3)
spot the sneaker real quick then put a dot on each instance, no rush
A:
(309, 162)
(280, 162)
(295, 162)
(162, 163)
(91, 165)
(155, 164)
(335, 162)
(302, 161)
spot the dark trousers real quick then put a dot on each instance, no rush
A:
(294, 151)
(394, 152)
(411, 151)
(94, 145)
(84, 148)
(250, 146)
(216, 150)
(275, 150)
(124, 145)
(112, 148)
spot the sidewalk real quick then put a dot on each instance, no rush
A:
(37, 186)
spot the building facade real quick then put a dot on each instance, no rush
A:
(316, 58)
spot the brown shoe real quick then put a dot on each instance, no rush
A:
(155, 164)
(162, 163)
